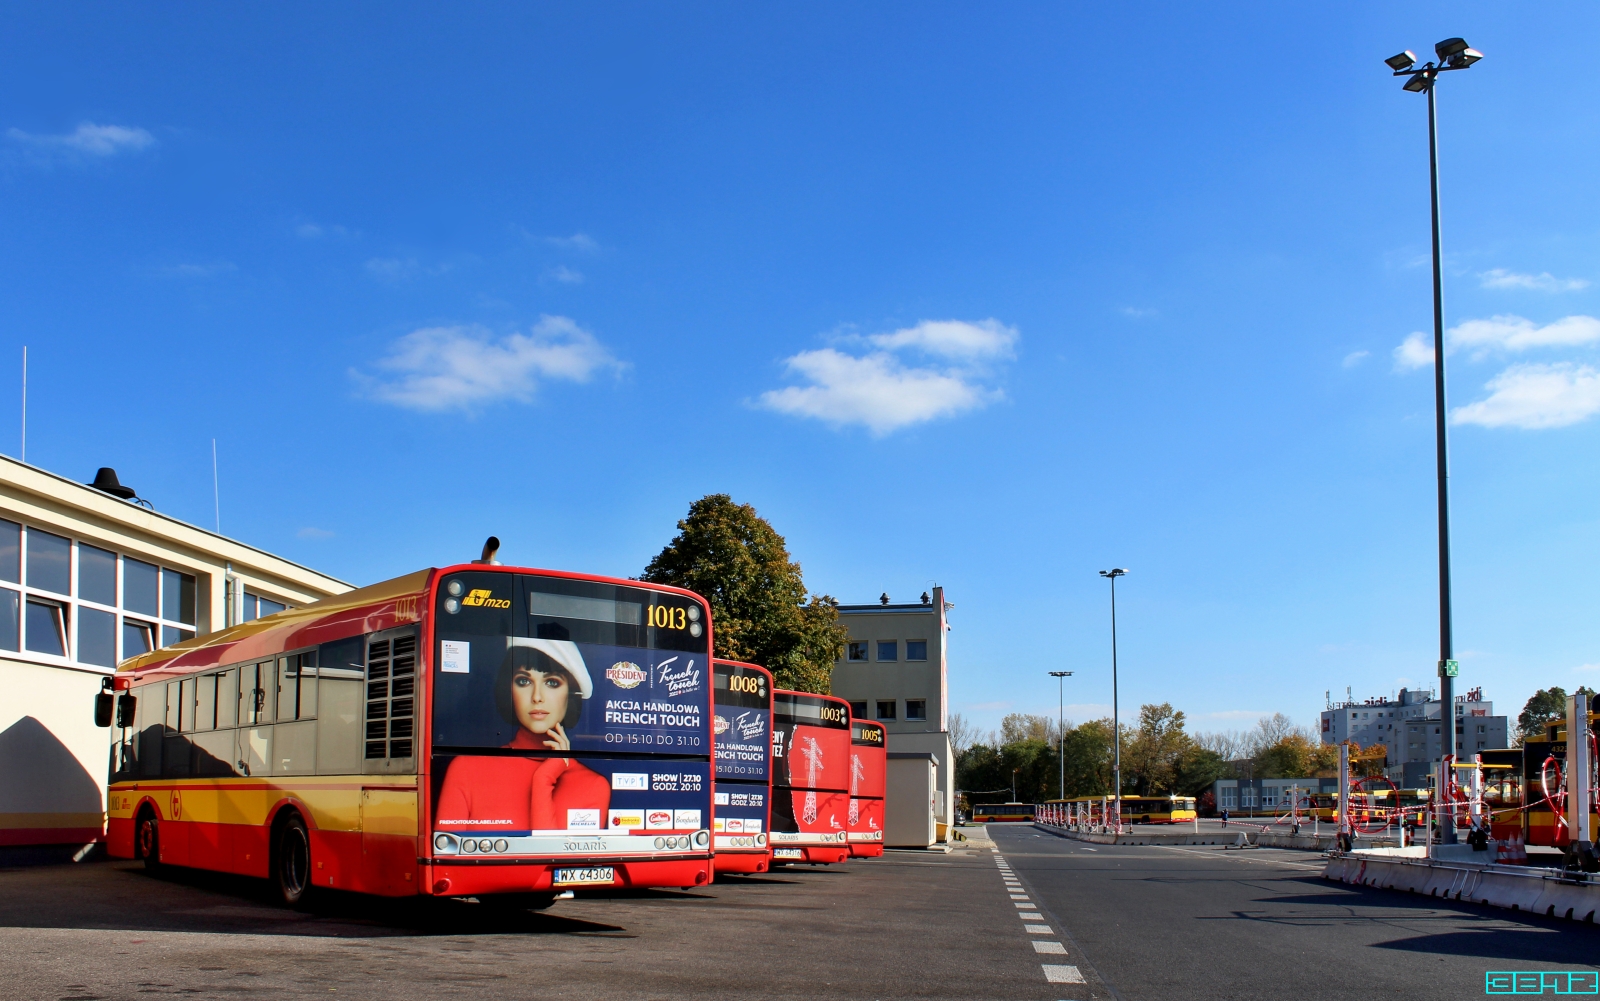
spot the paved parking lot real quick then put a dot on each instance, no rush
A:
(909, 925)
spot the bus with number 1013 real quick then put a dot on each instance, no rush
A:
(473, 731)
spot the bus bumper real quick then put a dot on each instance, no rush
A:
(453, 879)
(732, 861)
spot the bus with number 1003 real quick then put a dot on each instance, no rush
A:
(810, 778)
(476, 730)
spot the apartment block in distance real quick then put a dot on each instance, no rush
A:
(894, 671)
(1409, 726)
(91, 575)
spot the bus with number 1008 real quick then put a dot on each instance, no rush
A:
(476, 730)
(742, 696)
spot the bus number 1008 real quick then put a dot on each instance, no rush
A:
(747, 683)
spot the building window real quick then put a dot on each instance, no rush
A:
(886, 709)
(858, 710)
(916, 709)
(257, 607)
(888, 650)
(46, 627)
(916, 649)
(1230, 798)
(856, 650)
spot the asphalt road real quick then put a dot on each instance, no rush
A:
(1180, 923)
(909, 925)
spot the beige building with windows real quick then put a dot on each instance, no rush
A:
(894, 671)
(91, 575)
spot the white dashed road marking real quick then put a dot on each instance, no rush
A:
(1055, 948)
(1062, 974)
(1038, 929)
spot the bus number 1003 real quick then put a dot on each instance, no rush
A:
(663, 617)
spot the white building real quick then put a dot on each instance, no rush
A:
(894, 671)
(1411, 731)
(89, 577)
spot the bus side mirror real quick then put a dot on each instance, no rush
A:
(127, 705)
(103, 703)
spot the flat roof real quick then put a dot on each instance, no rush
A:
(101, 503)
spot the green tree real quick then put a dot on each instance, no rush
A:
(1150, 762)
(1547, 704)
(738, 562)
(1025, 726)
(1088, 758)
(1199, 769)
(1295, 756)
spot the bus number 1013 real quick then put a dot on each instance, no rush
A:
(663, 617)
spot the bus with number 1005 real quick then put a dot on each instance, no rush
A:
(742, 697)
(477, 730)
(869, 778)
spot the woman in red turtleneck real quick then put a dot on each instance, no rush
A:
(541, 694)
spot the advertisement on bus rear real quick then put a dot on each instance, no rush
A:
(568, 706)
(811, 766)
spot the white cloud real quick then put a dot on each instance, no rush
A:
(1535, 396)
(87, 140)
(316, 231)
(393, 269)
(952, 339)
(314, 533)
(566, 275)
(883, 393)
(1355, 358)
(1542, 282)
(1138, 312)
(465, 367)
(1237, 714)
(1513, 333)
(1587, 667)
(199, 270)
(577, 241)
(1413, 352)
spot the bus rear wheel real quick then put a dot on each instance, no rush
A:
(147, 839)
(291, 868)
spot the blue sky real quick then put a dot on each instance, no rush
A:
(994, 298)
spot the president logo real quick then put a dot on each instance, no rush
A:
(721, 726)
(483, 598)
(625, 675)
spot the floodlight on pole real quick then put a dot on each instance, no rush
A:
(1061, 735)
(1453, 54)
(1116, 719)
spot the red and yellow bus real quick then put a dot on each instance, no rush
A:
(1002, 813)
(810, 778)
(475, 730)
(869, 778)
(743, 726)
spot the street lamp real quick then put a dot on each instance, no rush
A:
(1116, 724)
(1061, 743)
(1453, 54)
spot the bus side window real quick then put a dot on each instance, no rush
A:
(152, 710)
(340, 684)
(228, 699)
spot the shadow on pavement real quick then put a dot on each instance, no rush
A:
(193, 900)
(1522, 945)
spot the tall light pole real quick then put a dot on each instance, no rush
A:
(1116, 719)
(1453, 54)
(1061, 743)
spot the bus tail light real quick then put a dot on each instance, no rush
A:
(441, 886)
